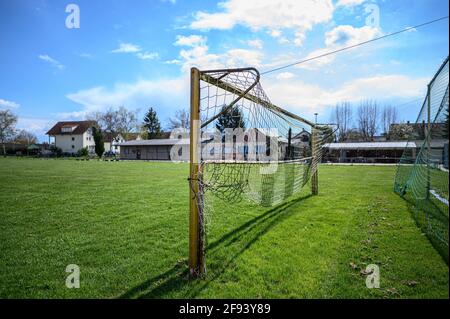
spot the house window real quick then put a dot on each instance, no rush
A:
(67, 129)
(73, 138)
(73, 146)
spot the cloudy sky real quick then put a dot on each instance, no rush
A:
(137, 53)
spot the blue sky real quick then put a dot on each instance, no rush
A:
(137, 53)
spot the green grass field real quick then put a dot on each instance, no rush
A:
(125, 224)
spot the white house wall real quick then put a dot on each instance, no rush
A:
(73, 143)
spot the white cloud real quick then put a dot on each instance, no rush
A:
(256, 43)
(284, 76)
(147, 55)
(190, 41)
(36, 126)
(349, 3)
(174, 61)
(51, 61)
(339, 37)
(305, 98)
(299, 38)
(381, 87)
(272, 15)
(411, 29)
(199, 56)
(127, 48)
(345, 35)
(317, 63)
(136, 50)
(164, 93)
(8, 104)
(85, 55)
(242, 57)
(275, 33)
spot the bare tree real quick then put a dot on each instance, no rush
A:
(7, 127)
(107, 120)
(25, 138)
(368, 119)
(113, 122)
(388, 117)
(180, 120)
(342, 116)
(127, 121)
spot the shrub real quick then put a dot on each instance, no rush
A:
(83, 152)
(56, 150)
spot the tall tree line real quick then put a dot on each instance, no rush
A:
(363, 122)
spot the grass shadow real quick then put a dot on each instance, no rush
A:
(220, 255)
(432, 221)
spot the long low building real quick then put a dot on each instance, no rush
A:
(367, 152)
(358, 152)
(381, 152)
(155, 149)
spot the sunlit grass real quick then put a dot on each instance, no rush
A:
(125, 224)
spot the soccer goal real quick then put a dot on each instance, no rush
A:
(243, 147)
(422, 173)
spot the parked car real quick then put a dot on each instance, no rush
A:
(109, 154)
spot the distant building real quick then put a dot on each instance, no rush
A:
(155, 149)
(367, 152)
(301, 144)
(384, 152)
(72, 136)
(12, 148)
(161, 148)
(112, 141)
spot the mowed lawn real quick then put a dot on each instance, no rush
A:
(125, 224)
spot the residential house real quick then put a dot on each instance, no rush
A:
(73, 136)
(112, 141)
(301, 144)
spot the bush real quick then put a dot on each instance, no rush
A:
(83, 152)
(57, 151)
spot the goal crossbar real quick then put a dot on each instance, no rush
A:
(204, 76)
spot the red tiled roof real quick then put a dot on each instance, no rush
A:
(81, 127)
